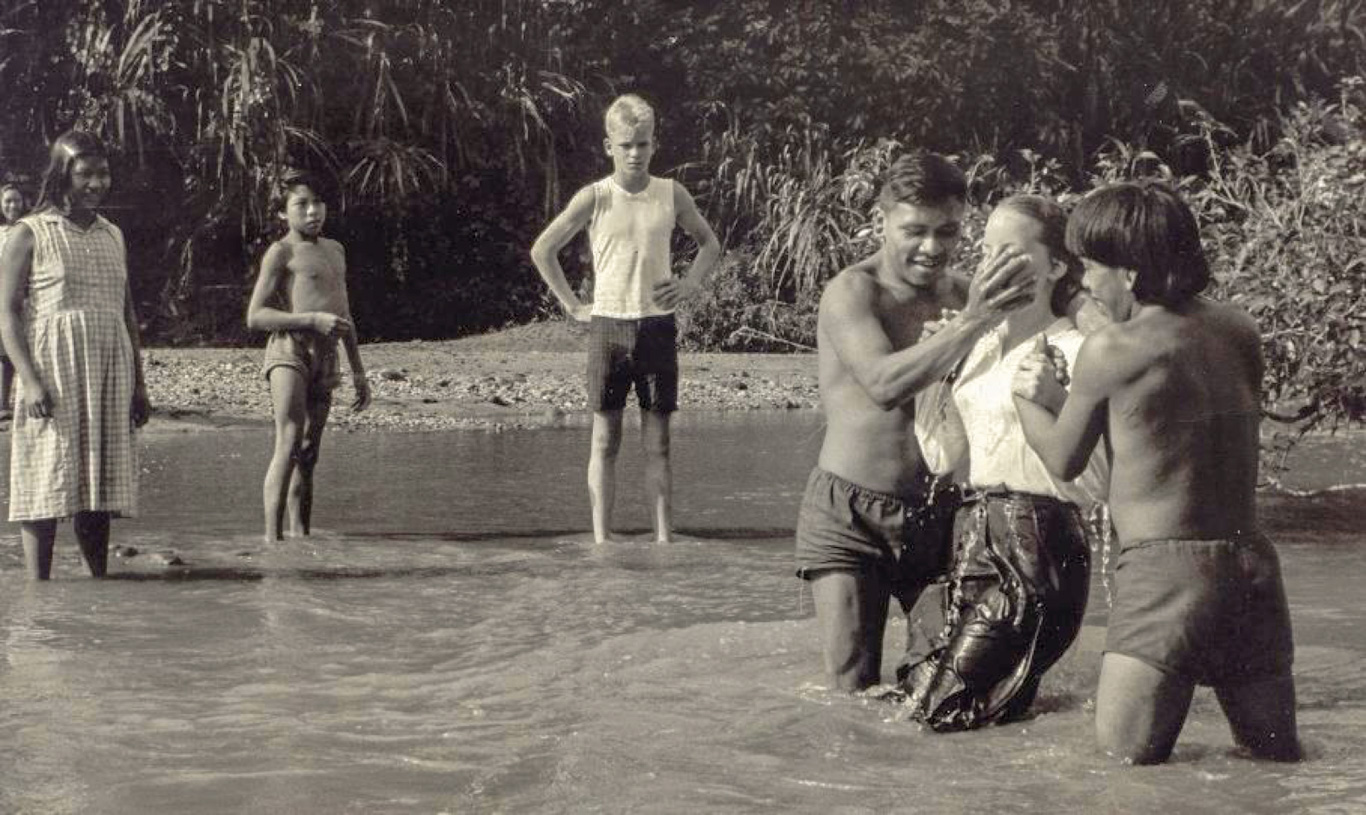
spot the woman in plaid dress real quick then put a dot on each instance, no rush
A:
(81, 390)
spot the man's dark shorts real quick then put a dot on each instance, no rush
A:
(846, 527)
(1211, 611)
(643, 353)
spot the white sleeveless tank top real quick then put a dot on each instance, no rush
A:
(629, 234)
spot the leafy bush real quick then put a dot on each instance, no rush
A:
(1288, 229)
(475, 120)
(1284, 229)
(737, 312)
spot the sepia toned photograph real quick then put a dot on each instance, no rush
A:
(655, 406)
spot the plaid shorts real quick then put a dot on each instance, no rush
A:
(642, 352)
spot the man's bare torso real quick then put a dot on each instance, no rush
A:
(1184, 429)
(865, 444)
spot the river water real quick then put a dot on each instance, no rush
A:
(451, 641)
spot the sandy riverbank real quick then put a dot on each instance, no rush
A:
(527, 376)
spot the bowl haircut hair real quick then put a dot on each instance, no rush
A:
(1145, 227)
(1052, 221)
(628, 111)
(66, 149)
(292, 179)
(921, 178)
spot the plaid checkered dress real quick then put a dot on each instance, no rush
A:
(83, 458)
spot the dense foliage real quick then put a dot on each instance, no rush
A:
(453, 131)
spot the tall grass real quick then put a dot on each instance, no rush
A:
(1285, 228)
(212, 98)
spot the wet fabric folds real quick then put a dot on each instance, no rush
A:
(1015, 602)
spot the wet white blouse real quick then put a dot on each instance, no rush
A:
(998, 454)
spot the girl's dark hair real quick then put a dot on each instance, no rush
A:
(6, 187)
(922, 178)
(66, 148)
(1052, 221)
(1145, 227)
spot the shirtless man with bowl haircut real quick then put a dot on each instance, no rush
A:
(860, 536)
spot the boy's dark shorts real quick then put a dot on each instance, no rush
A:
(846, 527)
(311, 354)
(1212, 611)
(643, 353)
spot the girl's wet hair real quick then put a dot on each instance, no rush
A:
(922, 178)
(292, 179)
(1052, 221)
(1145, 227)
(66, 149)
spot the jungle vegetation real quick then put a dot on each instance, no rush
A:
(453, 130)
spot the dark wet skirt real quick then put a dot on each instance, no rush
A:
(1014, 603)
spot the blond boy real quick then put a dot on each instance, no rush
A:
(630, 217)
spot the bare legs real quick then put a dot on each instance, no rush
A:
(92, 535)
(301, 484)
(6, 387)
(1140, 711)
(298, 434)
(1262, 717)
(602, 471)
(851, 611)
(654, 437)
(38, 537)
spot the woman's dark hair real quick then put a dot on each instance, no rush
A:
(66, 149)
(922, 178)
(1052, 221)
(1147, 228)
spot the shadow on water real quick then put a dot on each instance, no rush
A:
(189, 573)
(1323, 512)
(537, 536)
(426, 652)
(534, 541)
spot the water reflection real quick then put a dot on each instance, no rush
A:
(453, 641)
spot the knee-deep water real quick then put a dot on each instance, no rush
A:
(450, 640)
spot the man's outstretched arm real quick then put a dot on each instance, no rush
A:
(889, 377)
(848, 319)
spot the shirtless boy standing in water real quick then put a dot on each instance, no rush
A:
(301, 354)
(1174, 387)
(858, 539)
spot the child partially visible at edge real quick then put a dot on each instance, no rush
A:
(301, 354)
(633, 339)
(12, 208)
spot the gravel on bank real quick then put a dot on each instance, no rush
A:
(529, 376)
